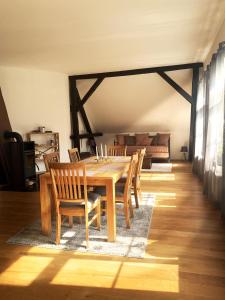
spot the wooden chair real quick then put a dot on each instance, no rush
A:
(123, 192)
(71, 198)
(117, 150)
(74, 155)
(136, 181)
(50, 157)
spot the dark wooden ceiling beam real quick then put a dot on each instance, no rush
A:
(77, 103)
(87, 125)
(87, 135)
(195, 82)
(75, 109)
(84, 116)
(91, 90)
(74, 113)
(176, 86)
(138, 71)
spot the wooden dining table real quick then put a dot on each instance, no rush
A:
(99, 173)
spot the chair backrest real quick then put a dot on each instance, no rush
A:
(117, 150)
(50, 157)
(69, 182)
(74, 154)
(141, 154)
(130, 174)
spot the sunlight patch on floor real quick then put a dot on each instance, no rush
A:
(158, 177)
(80, 272)
(164, 195)
(24, 271)
(122, 275)
(149, 277)
(165, 206)
(162, 258)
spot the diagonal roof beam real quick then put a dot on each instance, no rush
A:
(176, 86)
(91, 90)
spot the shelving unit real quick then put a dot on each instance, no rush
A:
(46, 142)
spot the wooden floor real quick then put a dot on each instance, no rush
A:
(185, 258)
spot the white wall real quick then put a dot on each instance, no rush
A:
(37, 98)
(142, 103)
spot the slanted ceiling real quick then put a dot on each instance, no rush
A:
(80, 36)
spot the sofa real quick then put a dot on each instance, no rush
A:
(157, 146)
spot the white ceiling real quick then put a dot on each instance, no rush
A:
(81, 36)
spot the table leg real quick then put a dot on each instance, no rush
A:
(111, 210)
(45, 202)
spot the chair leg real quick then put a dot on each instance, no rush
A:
(58, 229)
(98, 211)
(71, 221)
(103, 207)
(126, 212)
(136, 196)
(131, 208)
(139, 195)
(86, 228)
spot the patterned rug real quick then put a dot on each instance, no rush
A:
(129, 242)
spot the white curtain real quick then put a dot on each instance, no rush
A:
(214, 141)
(210, 128)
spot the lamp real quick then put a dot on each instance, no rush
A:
(184, 149)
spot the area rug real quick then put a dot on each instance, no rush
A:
(129, 242)
(159, 167)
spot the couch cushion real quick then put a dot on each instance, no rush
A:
(120, 139)
(130, 140)
(160, 155)
(156, 149)
(142, 139)
(154, 141)
(163, 139)
(132, 149)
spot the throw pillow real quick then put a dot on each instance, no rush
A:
(120, 139)
(163, 139)
(154, 140)
(130, 140)
(142, 139)
(150, 140)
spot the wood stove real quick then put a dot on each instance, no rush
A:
(19, 161)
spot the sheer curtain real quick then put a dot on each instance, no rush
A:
(208, 162)
(198, 165)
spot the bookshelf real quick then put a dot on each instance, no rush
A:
(45, 142)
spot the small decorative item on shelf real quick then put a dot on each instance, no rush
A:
(184, 150)
(42, 129)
